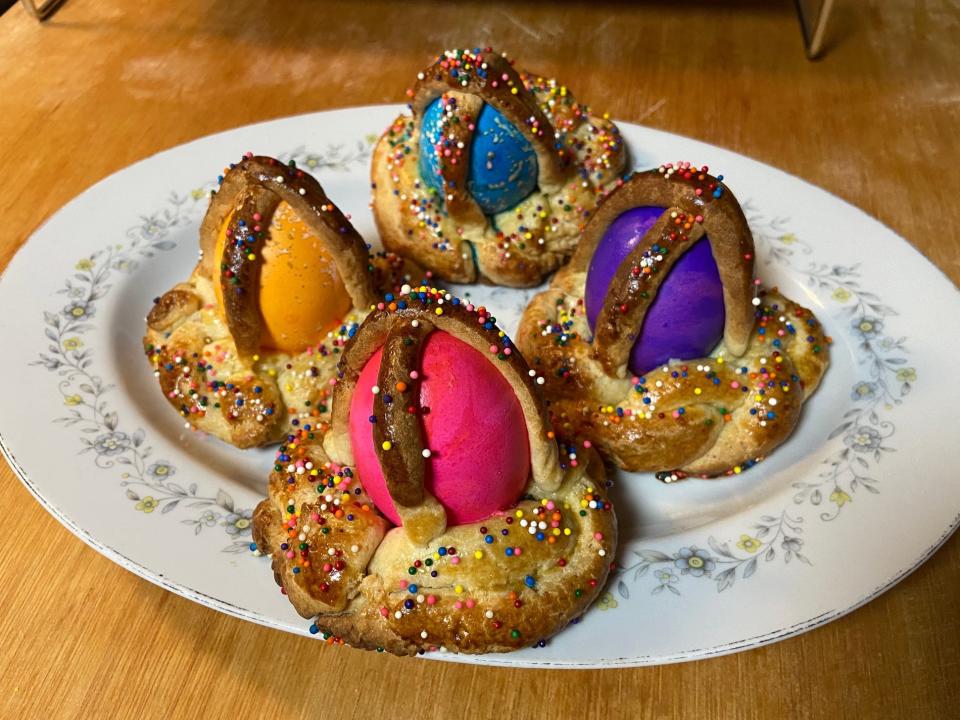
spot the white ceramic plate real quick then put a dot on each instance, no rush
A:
(861, 494)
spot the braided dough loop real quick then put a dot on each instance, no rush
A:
(707, 416)
(703, 204)
(506, 582)
(208, 357)
(724, 428)
(378, 589)
(579, 156)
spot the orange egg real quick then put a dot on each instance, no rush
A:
(302, 296)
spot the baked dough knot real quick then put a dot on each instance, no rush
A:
(709, 416)
(578, 155)
(503, 583)
(205, 337)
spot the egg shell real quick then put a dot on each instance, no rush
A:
(686, 318)
(503, 164)
(302, 296)
(474, 428)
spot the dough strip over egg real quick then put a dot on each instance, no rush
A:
(634, 288)
(706, 206)
(245, 203)
(397, 434)
(491, 78)
(474, 326)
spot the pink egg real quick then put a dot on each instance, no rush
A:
(472, 424)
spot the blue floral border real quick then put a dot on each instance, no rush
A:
(859, 441)
(148, 482)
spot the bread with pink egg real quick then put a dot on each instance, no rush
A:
(659, 345)
(439, 512)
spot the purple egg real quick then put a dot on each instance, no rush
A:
(686, 318)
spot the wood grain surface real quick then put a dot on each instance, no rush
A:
(108, 82)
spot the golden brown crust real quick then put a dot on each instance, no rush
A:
(711, 419)
(503, 583)
(499, 608)
(321, 557)
(579, 156)
(208, 358)
(705, 416)
(548, 560)
(453, 261)
(173, 308)
(246, 401)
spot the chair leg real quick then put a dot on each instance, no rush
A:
(813, 24)
(42, 11)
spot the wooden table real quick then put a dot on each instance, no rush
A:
(108, 82)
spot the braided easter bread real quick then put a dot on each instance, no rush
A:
(576, 156)
(698, 416)
(497, 584)
(206, 338)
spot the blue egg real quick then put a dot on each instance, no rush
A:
(503, 164)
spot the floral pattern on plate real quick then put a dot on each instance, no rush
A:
(863, 432)
(867, 284)
(148, 483)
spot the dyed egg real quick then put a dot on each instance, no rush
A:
(685, 319)
(302, 296)
(503, 165)
(472, 423)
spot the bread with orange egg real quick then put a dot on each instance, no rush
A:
(247, 346)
